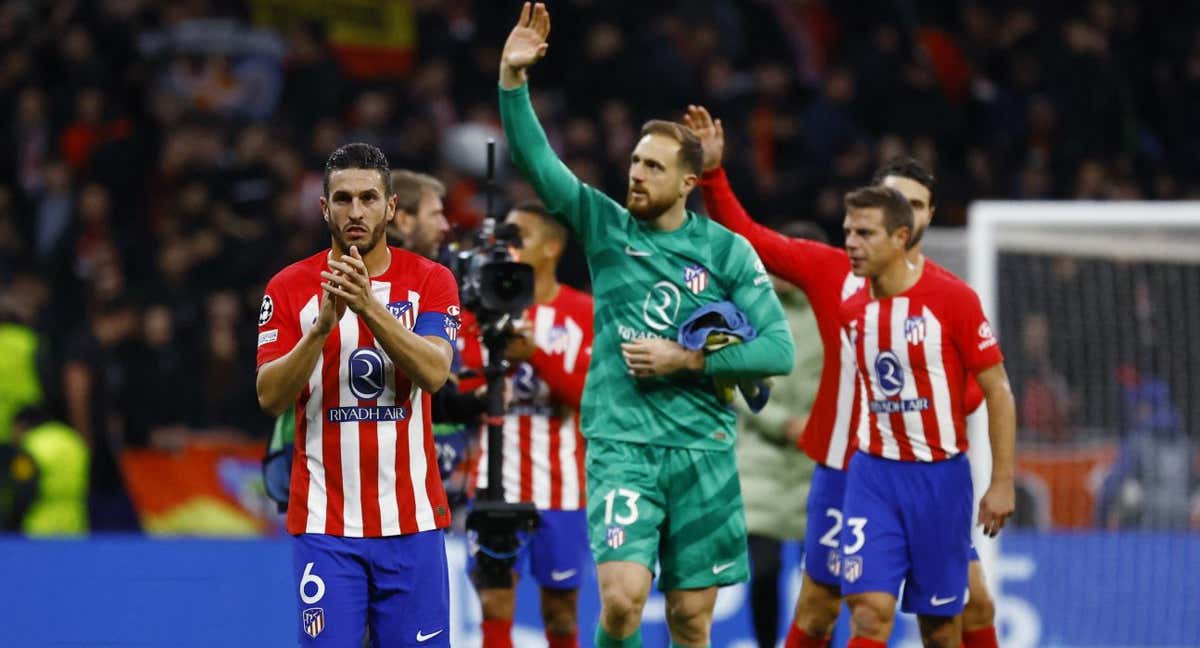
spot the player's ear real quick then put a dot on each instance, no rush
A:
(325, 208)
(689, 182)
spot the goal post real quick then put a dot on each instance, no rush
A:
(1097, 307)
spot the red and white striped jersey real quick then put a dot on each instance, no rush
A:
(543, 442)
(823, 273)
(915, 352)
(364, 462)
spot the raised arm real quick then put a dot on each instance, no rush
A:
(794, 260)
(565, 196)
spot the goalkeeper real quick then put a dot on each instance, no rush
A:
(661, 473)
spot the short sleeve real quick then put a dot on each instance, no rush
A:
(973, 334)
(278, 325)
(440, 311)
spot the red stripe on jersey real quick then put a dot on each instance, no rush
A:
(368, 455)
(884, 327)
(525, 434)
(405, 500)
(920, 370)
(556, 485)
(297, 512)
(331, 434)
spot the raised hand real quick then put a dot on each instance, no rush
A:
(526, 44)
(330, 313)
(710, 132)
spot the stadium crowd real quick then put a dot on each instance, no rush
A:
(162, 159)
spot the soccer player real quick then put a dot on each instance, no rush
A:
(662, 484)
(916, 334)
(420, 224)
(353, 339)
(824, 273)
(543, 443)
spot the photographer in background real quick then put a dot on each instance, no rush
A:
(550, 351)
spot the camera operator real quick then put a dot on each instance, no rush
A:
(549, 350)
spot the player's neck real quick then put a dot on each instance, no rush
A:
(670, 220)
(898, 277)
(545, 286)
(378, 260)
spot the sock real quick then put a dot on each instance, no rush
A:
(798, 638)
(863, 642)
(497, 633)
(562, 640)
(981, 638)
(604, 640)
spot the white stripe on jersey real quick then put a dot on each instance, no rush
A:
(348, 432)
(313, 429)
(511, 469)
(841, 435)
(385, 434)
(835, 457)
(418, 467)
(571, 498)
(939, 383)
(870, 342)
(539, 454)
(914, 426)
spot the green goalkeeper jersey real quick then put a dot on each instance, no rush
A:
(646, 283)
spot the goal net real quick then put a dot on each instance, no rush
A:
(1097, 309)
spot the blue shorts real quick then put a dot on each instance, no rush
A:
(908, 522)
(556, 554)
(822, 559)
(399, 586)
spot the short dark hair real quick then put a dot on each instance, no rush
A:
(691, 156)
(907, 167)
(536, 207)
(897, 212)
(410, 187)
(359, 155)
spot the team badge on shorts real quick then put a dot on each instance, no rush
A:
(313, 621)
(834, 563)
(616, 536)
(696, 278)
(852, 568)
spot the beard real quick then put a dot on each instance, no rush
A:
(650, 209)
(363, 248)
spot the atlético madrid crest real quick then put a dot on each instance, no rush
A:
(696, 278)
(914, 329)
(314, 621)
(616, 536)
(852, 568)
(403, 311)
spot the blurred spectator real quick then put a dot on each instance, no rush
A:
(1044, 401)
(1154, 480)
(60, 456)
